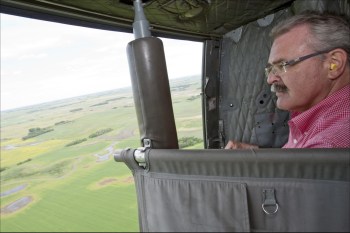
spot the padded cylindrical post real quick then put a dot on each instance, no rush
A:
(151, 92)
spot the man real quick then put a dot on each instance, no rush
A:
(309, 70)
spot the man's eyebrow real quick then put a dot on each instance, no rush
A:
(277, 61)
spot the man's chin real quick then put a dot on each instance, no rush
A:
(281, 103)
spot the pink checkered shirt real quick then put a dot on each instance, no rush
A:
(325, 125)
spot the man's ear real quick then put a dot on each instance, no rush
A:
(337, 62)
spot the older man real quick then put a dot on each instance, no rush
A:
(309, 70)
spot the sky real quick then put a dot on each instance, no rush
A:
(44, 61)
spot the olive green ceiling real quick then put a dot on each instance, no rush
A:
(200, 19)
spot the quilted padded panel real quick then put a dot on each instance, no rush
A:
(246, 100)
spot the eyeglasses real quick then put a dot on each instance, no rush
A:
(279, 68)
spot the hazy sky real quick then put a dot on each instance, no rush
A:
(44, 61)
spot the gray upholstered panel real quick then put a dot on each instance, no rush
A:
(225, 190)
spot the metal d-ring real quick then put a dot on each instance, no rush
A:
(269, 199)
(267, 212)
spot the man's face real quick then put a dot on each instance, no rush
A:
(304, 84)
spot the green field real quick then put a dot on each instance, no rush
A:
(57, 168)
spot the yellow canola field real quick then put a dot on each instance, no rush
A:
(12, 154)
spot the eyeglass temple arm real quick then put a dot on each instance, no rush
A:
(299, 59)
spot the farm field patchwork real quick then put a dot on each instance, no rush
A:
(57, 168)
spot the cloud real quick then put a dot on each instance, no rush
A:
(45, 61)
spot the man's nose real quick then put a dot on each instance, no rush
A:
(272, 78)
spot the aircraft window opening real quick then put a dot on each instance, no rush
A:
(66, 107)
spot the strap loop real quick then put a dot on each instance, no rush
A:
(269, 200)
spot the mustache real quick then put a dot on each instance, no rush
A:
(278, 88)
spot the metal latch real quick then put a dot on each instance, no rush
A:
(147, 142)
(139, 156)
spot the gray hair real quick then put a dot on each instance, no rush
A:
(329, 31)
